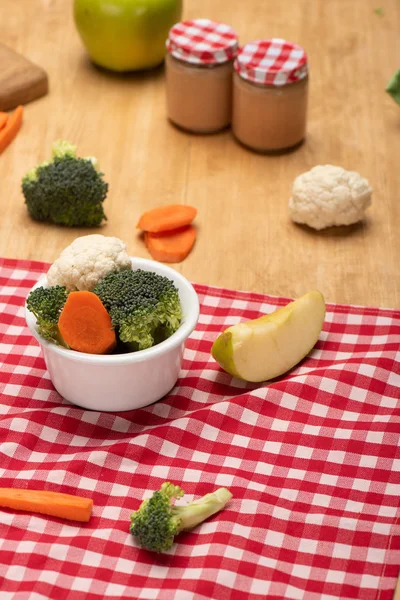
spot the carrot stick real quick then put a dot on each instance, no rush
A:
(172, 246)
(11, 128)
(3, 119)
(166, 218)
(65, 506)
(85, 324)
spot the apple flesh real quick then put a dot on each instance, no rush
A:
(126, 35)
(269, 346)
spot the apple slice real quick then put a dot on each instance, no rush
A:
(266, 347)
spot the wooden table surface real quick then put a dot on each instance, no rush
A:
(245, 237)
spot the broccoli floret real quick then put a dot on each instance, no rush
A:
(158, 521)
(67, 190)
(46, 304)
(144, 307)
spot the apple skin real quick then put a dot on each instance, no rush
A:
(222, 352)
(126, 35)
(267, 347)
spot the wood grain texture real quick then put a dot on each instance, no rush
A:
(21, 81)
(245, 238)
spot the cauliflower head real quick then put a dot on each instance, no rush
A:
(86, 261)
(328, 195)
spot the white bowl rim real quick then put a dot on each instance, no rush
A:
(177, 338)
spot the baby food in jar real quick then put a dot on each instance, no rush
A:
(270, 95)
(199, 70)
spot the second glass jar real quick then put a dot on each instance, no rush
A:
(270, 95)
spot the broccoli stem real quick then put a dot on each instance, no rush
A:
(52, 334)
(195, 513)
(157, 521)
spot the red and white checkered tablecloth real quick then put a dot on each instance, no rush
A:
(312, 459)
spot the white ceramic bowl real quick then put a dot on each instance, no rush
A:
(125, 381)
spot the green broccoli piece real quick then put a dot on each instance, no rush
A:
(158, 521)
(46, 304)
(67, 190)
(393, 87)
(144, 307)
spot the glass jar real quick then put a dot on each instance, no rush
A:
(270, 93)
(199, 70)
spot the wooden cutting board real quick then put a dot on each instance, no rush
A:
(21, 81)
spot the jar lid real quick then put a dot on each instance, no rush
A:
(202, 42)
(272, 62)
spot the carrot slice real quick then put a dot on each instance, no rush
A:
(171, 247)
(65, 506)
(3, 119)
(167, 218)
(11, 128)
(85, 324)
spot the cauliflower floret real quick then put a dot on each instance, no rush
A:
(328, 195)
(86, 261)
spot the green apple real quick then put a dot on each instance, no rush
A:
(126, 35)
(266, 347)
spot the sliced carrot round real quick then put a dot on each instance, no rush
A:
(167, 218)
(3, 119)
(11, 127)
(85, 324)
(172, 246)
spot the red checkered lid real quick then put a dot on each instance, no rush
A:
(202, 42)
(272, 62)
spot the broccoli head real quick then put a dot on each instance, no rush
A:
(157, 521)
(144, 307)
(66, 190)
(46, 304)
